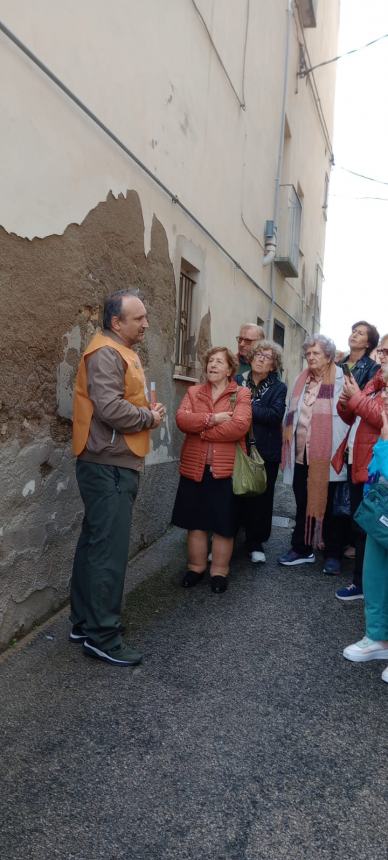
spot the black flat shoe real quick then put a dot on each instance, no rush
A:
(192, 578)
(218, 584)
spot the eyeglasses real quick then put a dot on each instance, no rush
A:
(264, 355)
(382, 352)
(246, 339)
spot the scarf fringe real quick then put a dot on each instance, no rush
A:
(313, 535)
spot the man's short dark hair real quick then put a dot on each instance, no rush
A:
(373, 335)
(113, 305)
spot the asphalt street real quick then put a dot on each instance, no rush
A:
(244, 735)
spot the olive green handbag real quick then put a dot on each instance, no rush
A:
(249, 476)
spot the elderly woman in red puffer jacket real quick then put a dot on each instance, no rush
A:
(361, 409)
(215, 417)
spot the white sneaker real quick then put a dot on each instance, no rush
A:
(366, 649)
(384, 676)
(257, 556)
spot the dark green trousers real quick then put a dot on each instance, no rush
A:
(101, 557)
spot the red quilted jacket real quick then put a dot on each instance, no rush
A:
(367, 404)
(192, 418)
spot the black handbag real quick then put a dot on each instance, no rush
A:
(341, 500)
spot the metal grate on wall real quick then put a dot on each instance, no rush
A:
(182, 357)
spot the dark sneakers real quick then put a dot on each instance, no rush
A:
(77, 635)
(350, 592)
(121, 655)
(291, 558)
(332, 567)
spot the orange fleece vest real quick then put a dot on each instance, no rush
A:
(134, 392)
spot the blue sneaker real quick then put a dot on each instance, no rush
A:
(292, 557)
(351, 592)
(332, 567)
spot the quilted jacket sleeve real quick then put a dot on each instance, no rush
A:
(232, 431)
(367, 408)
(189, 421)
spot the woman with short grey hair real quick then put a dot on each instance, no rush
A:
(312, 433)
(268, 402)
(327, 345)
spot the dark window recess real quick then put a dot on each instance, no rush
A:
(278, 333)
(260, 321)
(184, 346)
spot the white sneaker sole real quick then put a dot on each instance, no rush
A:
(102, 655)
(349, 599)
(260, 560)
(298, 561)
(384, 676)
(364, 658)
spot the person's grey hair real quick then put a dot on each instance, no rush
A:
(327, 345)
(259, 329)
(277, 353)
(113, 305)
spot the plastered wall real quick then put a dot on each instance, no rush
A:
(199, 102)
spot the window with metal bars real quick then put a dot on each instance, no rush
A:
(184, 357)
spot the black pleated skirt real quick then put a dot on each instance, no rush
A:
(208, 505)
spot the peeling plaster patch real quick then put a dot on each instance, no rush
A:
(147, 218)
(165, 430)
(65, 374)
(185, 124)
(159, 455)
(29, 488)
(62, 485)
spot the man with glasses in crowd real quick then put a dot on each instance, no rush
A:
(248, 339)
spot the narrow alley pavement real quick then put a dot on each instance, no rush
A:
(243, 736)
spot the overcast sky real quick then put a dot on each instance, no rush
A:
(356, 258)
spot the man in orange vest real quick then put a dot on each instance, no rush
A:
(112, 420)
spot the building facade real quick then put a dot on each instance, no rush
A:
(166, 146)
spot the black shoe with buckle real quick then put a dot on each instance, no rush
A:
(191, 578)
(218, 584)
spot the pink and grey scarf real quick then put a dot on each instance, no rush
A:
(320, 450)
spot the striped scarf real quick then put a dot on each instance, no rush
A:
(320, 450)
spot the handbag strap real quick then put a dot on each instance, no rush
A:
(233, 401)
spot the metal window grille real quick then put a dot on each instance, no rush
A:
(183, 358)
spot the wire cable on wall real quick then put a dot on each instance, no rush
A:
(240, 99)
(304, 72)
(363, 176)
(174, 197)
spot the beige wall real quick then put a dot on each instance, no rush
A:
(149, 70)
